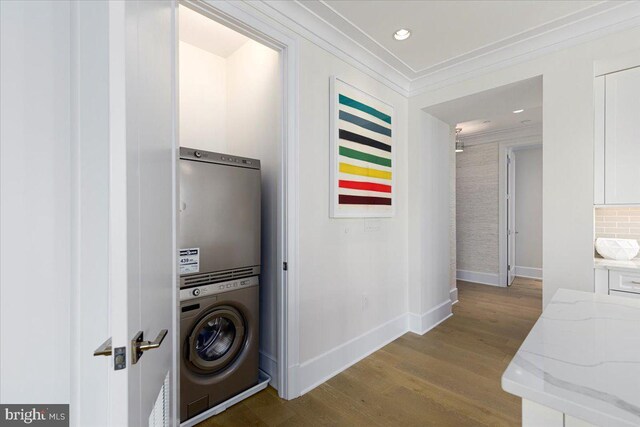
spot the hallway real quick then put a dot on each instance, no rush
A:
(448, 377)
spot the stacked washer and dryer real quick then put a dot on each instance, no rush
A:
(219, 240)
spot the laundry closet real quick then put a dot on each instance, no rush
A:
(230, 118)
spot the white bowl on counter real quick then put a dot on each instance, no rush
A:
(618, 249)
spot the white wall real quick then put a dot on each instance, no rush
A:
(353, 283)
(429, 221)
(35, 202)
(203, 99)
(477, 209)
(253, 130)
(528, 200)
(568, 149)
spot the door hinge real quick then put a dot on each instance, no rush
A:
(508, 268)
(285, 266)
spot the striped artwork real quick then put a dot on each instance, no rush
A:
(362, 154)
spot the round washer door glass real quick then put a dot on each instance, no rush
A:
(217, 339)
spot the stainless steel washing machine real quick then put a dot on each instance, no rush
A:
(219, 217)
(219, 343)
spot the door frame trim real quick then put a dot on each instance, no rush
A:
(521, 143)
(251, 24)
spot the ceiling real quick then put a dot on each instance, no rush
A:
(506, 121)
(205, 33)
(455, 33)
(495, 106)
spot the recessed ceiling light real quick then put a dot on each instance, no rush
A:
(517, 111)
(402, 34)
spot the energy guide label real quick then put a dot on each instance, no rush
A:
(189, 260)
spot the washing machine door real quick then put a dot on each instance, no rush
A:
(217, 339)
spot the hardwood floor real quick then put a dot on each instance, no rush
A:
(447, 377)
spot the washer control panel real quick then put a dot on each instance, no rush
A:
(211, 157)
(217, 288)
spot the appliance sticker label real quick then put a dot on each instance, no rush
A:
(189, 260)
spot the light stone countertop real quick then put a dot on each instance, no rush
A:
(611, 264)
(582, 357)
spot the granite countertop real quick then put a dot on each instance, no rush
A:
(582, 357)
(611, 264)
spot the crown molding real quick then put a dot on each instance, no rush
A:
(317, 22)
(326, 12)
(617, 17)
(526, 35)
(300, 20)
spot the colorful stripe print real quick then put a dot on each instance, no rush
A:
(364, 154)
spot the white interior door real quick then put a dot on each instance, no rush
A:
(511, 217)
(142, 254)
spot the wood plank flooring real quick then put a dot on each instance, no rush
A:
(447, 377)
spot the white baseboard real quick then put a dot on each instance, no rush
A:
(422, 323)
(492, 279)
(269, 365)
(529, 272)
(453, 295)
(321, 368)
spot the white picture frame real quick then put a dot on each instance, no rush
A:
(363, 165)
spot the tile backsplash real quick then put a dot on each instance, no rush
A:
(618, 222)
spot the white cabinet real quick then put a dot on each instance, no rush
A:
(601, 281)
(537, 415)
(617, 138)
(624, 281)
(624, 294)
(617, 282)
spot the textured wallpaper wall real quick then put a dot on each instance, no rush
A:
(477, 208)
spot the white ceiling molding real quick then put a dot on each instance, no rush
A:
(297, 18)
(531, 133)
(324, 11)
(319, 23)
(614, 18)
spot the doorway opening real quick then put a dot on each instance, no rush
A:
(235, 83)
(125, 192)
(495, 183)
(523, 205)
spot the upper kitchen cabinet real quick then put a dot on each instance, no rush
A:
(617, 154)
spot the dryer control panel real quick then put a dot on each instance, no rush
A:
(217, 288)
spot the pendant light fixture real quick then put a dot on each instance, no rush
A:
(459, 143)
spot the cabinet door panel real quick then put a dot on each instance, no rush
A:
(622, 137)
(624, 294)
(624, 281)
